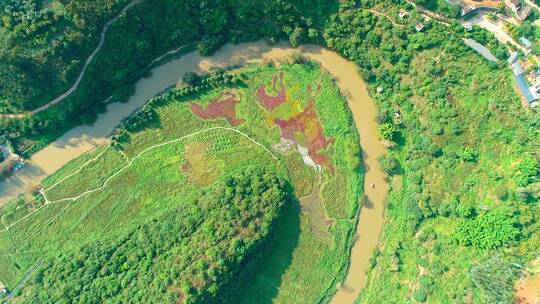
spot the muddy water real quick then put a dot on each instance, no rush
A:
(84, 138)
(372, 213)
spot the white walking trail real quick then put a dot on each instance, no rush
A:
(129, 164)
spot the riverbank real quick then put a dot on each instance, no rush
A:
(85, 138)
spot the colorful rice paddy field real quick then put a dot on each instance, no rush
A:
(289, 118)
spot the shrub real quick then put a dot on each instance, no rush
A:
(191, 79)
(390, 164)
(420, 295)
(489, 231)
(527, 171)
(387, 131)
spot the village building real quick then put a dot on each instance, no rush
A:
(466, 9)
(403, 14)
(419, 27)
(513, 57)
(527, 92)
(515, 5)
(468, 27)
(480, 49)
(523, 13)
(526, 42)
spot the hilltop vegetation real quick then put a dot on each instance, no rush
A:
(463, 154)
(182, 205)
(192, 251)
(43, 53)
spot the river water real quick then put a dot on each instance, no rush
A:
(82, 139)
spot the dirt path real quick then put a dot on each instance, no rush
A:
(385, 16)
(129, 163)
(348, 79)
(81, 74)
(431, 15)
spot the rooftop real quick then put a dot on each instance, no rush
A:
(482, 50)
(513, 57)
(519, 76)
(517, 69)
(526, 42)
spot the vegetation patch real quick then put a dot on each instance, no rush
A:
(222, 107)
(189, 198)
(303, 128)
(199, 168)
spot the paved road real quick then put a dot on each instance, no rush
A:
(496, 28)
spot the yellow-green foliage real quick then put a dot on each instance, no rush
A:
(302, 265)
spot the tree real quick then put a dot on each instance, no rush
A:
(297, 36)
(390, 164)
(387, 131)
(489, 231)
(191, 79)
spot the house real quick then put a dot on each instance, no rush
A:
(517, 69)
(419, 27)
(515, 5)
(468, 27)
(466, 9)
(526, 42)
(4, 150)
(528, 93)
(403, 14)
(513, 57)
(523, 13)
(380, 89)
(3, 289)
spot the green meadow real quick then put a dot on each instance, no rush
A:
(184, 170)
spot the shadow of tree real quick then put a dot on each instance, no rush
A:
(260, 281)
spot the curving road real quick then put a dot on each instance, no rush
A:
(81, 74)
(82, 139)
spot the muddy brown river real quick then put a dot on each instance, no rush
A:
(82, 139)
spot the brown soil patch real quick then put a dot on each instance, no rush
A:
(484, 3)
(270, 102)
(200, 169)
(222, 107)
(528, 288)
(307, 127)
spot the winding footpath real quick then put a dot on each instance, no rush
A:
(345, 73)
(81, 74)
(129, 163)
(385, 16)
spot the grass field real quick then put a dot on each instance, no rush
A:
(191, 146)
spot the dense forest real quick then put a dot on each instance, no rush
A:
(43, 60)
(464, 148)
(187, 255)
